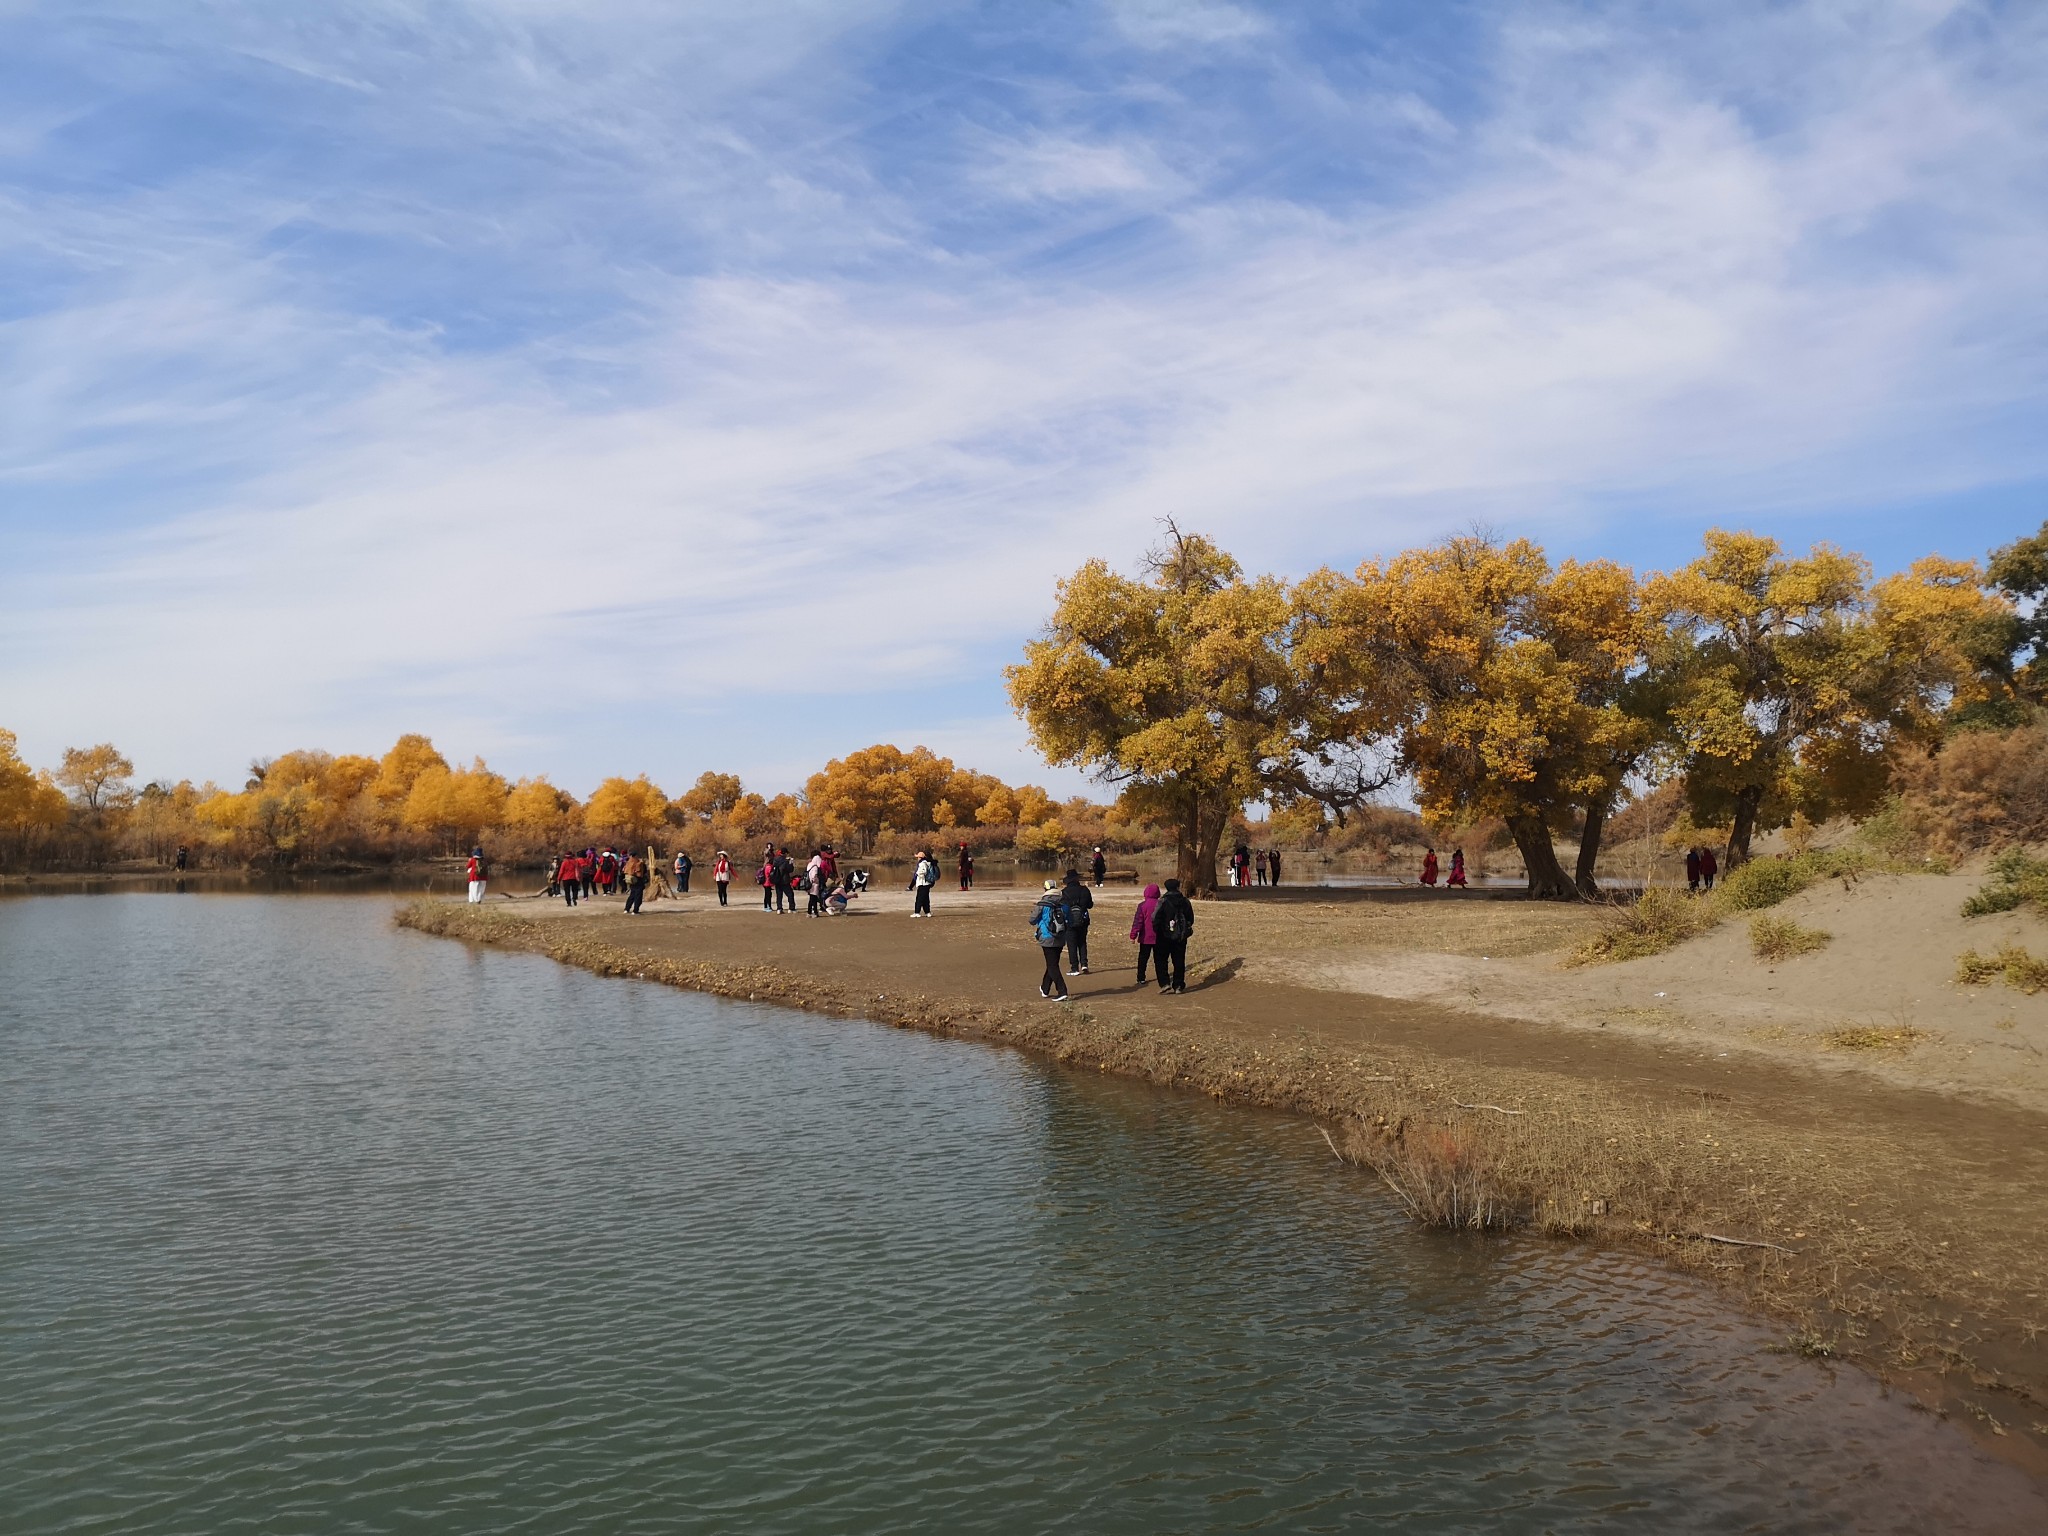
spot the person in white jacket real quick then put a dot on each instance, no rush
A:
(922, 879)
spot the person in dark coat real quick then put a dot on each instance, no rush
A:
(1049, 927)
(1173, 920)
(1692, 869)
(1097, 866)
(1080, 910)
(1709, 867)
(1273, 863)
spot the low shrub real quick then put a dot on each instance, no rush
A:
(2012, 965)
(1764, 883)
(1779, 938)
(1981, 790)
(1901, 1038)
(1661, 920)
(2017, 880)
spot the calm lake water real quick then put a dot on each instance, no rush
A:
(311, 1225)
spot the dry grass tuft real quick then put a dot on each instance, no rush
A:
(1779, 938)
(2012, 964)
(1900, 1037)
(1660, 920)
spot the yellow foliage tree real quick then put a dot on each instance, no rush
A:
(1792, 681)
(1179, 685)
(855, 797)
(455, 808)
(626, 811)
(538, 811)
(97, 778)
(1505, 684)
(712, 796)
(400, 769)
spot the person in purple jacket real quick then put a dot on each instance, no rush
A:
(1141, 929)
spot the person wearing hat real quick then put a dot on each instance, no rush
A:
(721, 874)
(1049, 929)
(479, 875)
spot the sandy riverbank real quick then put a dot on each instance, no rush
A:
(1441, 1039)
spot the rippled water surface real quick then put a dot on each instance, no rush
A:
(307, 1224)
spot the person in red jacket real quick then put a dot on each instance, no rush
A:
(571, 878)
(479, 876)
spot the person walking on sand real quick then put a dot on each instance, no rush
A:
(635, 873)
(1080, 913)
(1709, 867)
(1142, 933)
(923, 877)
(1049, 928)
(1692, 870)
(1098, 867)
(1173, 921)
(586, 869)
(966, 868)
(1457, 870)
(721, 874)
(683, 867)
(1429, 866)
(479, 876)
(571, 879)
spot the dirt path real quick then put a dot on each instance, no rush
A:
(1905, 1222)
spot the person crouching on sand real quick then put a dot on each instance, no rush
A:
(1141, 928)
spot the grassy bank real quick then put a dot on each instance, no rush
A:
(1867, 1246)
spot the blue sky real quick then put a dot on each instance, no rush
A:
(625, 385)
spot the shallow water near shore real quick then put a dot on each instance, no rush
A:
(310, 1224)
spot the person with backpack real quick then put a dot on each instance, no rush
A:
(479, 876)
(1049, 928)
(782, 873)
(721, 874)
(1080, 912)
(923, 877)
(1173, 921)
(683, 867)
(1142, 932)
(634, 872)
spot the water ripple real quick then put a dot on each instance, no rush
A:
(310, 1225)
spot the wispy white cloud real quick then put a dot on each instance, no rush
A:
(729, 386)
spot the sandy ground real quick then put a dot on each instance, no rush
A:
(1889, 970)
(1902, 1186)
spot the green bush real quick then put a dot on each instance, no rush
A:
(2017, 880)
(1765, 882)
(2012, 965)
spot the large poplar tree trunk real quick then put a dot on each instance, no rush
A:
(1589, 849)
(1547, 879)
(1747, 801)
(1196, 840)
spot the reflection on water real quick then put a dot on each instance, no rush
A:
(311, 1225)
